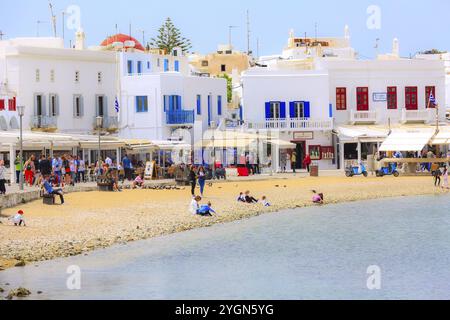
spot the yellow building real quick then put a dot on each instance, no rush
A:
(224, 61)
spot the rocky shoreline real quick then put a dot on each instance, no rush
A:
(98, 220)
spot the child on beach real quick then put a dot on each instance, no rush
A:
(206, 210)
(18, 219)
(138, 182)
(317, 197)
(249, 198)
(241, 197)
(195, 206)
(264, 202)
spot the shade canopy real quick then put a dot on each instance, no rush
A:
(413, 140)
(368, 133)
(442, 138)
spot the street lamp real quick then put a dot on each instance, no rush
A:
(21, 112)
(99, 120)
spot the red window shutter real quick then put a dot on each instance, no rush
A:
(411, 102)
(392, 98)
(12, 104)
(341, 99)
(2, 104)
(362, 98)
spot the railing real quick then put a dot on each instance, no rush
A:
(108, 123)
(180, 117)
(363, 116)
(43, 122)
(424, 115)
(291, 124)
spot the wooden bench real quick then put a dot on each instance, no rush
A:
(104, 185)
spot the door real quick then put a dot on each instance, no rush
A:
(362, 99)
(301, 153)
(101, 107)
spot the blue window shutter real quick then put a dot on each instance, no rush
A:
(171, 100)
(283, 110)
(241, 111)
(139, 67)
(166, 65)
(137, 104)
(177, 66)
(179, 107)
(331, 110)
(292, 109)
(307, 105)
(209, 110)
(199, 105)
(166, 103)
(219, 105)
(268, 113)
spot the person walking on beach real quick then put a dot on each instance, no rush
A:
(437, 176)
(2, 178)
(30, 170)
(192, 179)
(445, 176)
(294, 161)
(201, 180)
(18, 167)
(307, 162)
(49, 189)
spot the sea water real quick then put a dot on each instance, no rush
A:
(382, 249)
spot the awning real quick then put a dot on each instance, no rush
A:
(442, 138)
(367, 133)
(414, 139)
(283, 144)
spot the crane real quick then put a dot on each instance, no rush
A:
(53, 18)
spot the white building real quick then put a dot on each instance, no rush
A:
(318, 86)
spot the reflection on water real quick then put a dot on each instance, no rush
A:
(315, 253)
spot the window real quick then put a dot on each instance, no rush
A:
(219, 105)
(39, 111)
(199, 104)
(12, 104)
(166, 65)
(177, 66)
(341, 98)
(141, 104)
(38, 75)
(78, 106)
(99, 77)
(130, 67)
(275, 110)
(411, 98)
(205, 63)
(362, 99)
(428, 91)
(52, 75)
(223, 68)
(2, 104)
(158, 63)
(101, 106)
(53, 106)
(139, 67)
(392, 98)
(77, 76)
(148, 65)
(298, 110)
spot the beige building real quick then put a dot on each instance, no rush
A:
(224, 61)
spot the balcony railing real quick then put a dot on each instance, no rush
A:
(109, 123)
(363, 117)
(180, 117)
(291, 124)
(418, 116)
(44, 122)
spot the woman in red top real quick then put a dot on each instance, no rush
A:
(307, 162)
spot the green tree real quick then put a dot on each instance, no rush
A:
(229, 86)
(169, 37)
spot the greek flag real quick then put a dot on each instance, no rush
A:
(432, 99)
(116, 105)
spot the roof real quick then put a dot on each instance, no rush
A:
(122, 38)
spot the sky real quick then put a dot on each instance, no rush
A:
(419, 25)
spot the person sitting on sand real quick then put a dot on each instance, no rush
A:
(139, 181)
(249, 198)
(206, 210)
(317, 197)
(264, 202)
(241, 197)
(18, 219)
(195, 206)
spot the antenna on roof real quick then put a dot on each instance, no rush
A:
(1, 35)
(316, 27)
(229, 35)
(53, 18)
(248, 33)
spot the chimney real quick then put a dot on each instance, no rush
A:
(80, 38)
(395, 48)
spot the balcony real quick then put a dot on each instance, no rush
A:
(110, 124)
(180, 117)
(418, 116)
(44, 123)
(291, 125)
(363, 117)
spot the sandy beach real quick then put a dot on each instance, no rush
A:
(93, 220)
